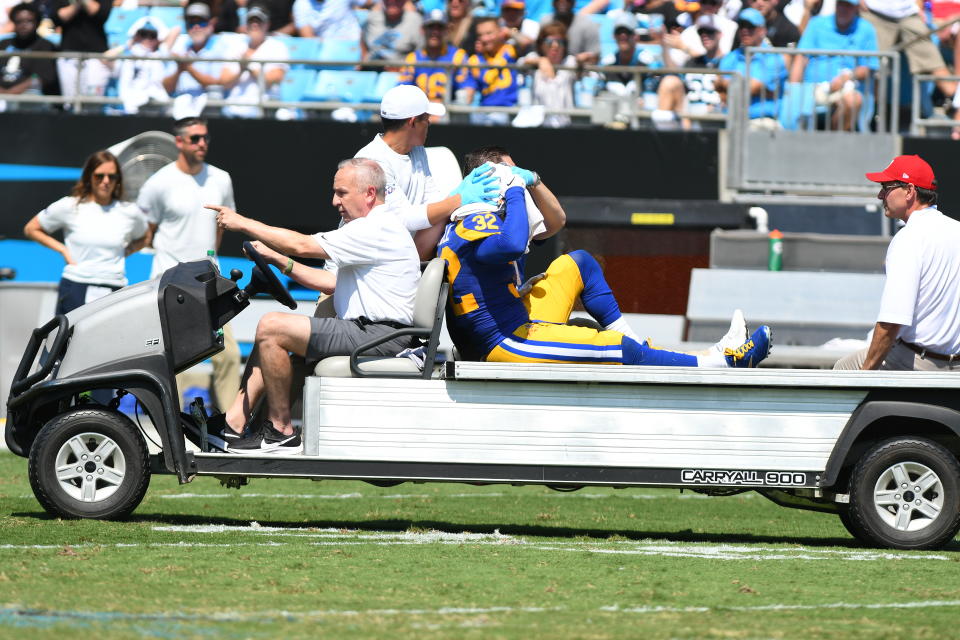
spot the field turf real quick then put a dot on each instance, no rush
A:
(300, 559)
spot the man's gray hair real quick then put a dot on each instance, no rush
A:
(368, 174)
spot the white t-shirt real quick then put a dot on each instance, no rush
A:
(175, 201)
(922, 290)
(410, 186)
(183, 46)
(893, 9)
(247, 89)
(691, 38)
(96, 237)
(377, 267)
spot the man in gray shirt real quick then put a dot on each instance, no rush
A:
(390, 32)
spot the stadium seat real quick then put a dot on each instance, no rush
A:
(295, 84)
(338, 50)
(301, 48)
(170, 16)
(386, 80)
(348, 86)
(121, 20)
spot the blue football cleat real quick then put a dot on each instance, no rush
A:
(753, 351)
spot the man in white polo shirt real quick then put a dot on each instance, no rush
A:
(373, 291)
(918, 327)
(405, 115)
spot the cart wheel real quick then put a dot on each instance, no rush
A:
(89, 463)
(905, 494)
(852, 528)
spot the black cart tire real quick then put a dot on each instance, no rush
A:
(852, 528)
(905, 494)
(89, 463)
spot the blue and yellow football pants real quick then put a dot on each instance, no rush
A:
(548, 339)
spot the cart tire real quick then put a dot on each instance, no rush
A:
(905, 494)
(852, 528)
(89, 463)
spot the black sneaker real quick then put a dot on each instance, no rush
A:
(217, 427)
(267, 440)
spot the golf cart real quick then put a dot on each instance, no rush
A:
(879, 449)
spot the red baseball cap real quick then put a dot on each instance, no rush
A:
(911, 169)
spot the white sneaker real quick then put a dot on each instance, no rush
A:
(736, 335)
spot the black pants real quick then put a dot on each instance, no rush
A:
(71, 295)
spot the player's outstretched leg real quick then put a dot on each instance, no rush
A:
(753, 351)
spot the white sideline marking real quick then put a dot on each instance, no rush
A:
(787, 607)
(397, 496)
(347, 537)
(22, 614)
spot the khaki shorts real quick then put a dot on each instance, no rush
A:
(922, 56)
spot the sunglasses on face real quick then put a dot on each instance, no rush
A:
(100, 177)
(146, 33)
(890, 186)
(197, 23)
(197, 137)
(550, 41)
(710, 33)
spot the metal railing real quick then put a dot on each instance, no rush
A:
(918, 123)
(635, 111)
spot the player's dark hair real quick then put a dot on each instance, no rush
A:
(180, 126)
(490, 153)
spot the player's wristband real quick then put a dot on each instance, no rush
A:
(536, 180)
(287, 270)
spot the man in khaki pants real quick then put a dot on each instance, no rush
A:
(181, 229)
(918, 327)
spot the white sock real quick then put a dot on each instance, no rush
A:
(621, 325)
(736, 335)
(713, 361)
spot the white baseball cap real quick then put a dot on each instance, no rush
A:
(407, 101)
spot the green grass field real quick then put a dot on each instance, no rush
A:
(300, 559)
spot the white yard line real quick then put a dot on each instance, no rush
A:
(20, 615)
(279, 536)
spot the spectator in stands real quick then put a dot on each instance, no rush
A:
(193, 78)
(81, 24)
(628, 54)
(918, 326)
(837, 77)
(460, 24)
(694, 92)
(552, 87)
(17, 74)
(780, 31)
(141, 81)
(690, 44)
(99, 230)
(326, 19)
(241, 80)
(6, 20)
(900, 22)
(391, 32)
(497, 87)
(519, 30)
(280, 12)
(767, 71)
(435, 81)
(583, 34)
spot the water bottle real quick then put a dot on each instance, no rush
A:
(775, 255)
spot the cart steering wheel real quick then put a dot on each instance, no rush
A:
(263, 279)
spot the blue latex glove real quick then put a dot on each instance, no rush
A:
(480, 185)
(527, 176)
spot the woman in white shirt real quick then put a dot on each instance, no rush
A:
(552, 87)
(99, 230)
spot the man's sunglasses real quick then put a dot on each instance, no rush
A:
(197, 23)
(197, 137)
(708, 32)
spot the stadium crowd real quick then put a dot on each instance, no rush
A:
(529, 55)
